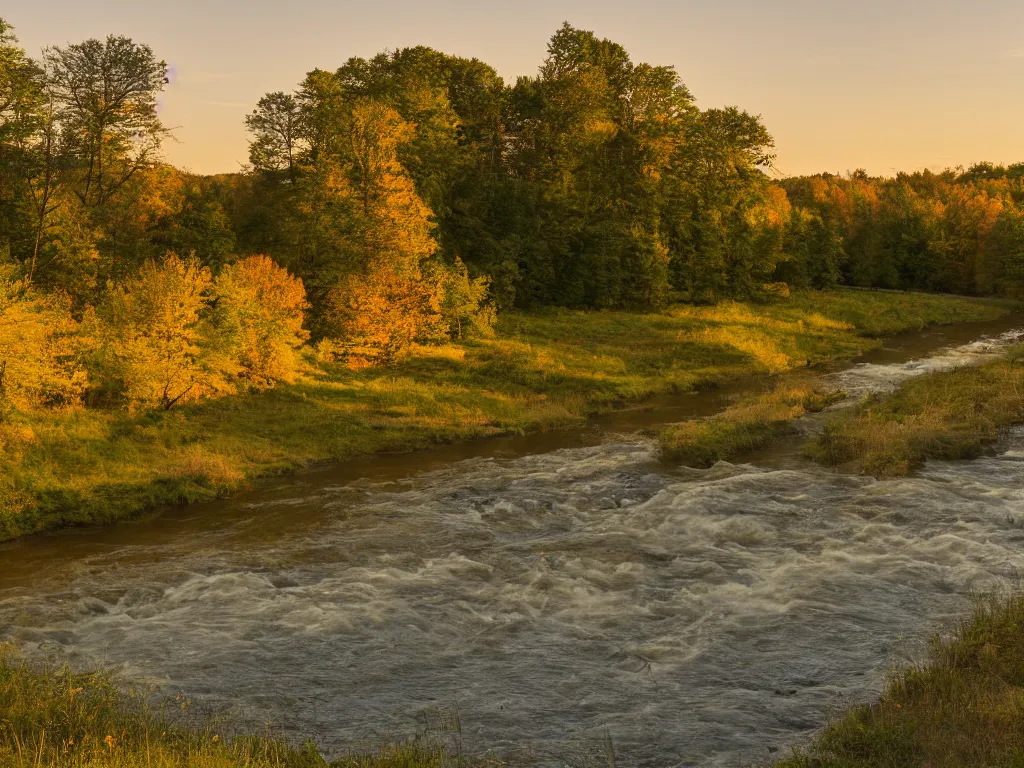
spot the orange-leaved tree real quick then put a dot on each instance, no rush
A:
(381, 312)
(260, 309)
(377, 312)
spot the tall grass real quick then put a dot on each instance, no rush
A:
(962, 708)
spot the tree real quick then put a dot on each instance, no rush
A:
(260, 309)
(22, 106)
(464, 305)
(39, 348)
(593, 137)
(158, 348)
(196, 224)
(105, 95)
(716, 196)
(377, 315)
(276, 126)
(387, 303)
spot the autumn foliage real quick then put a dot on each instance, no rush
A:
(173, 334)
(259, 310)
(156, 346)
(39, 348)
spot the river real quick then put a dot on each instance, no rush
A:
(548, 589)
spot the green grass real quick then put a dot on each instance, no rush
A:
(754, 422)
(57, 718)
(962, 708)
(949, 415)
(541, 371)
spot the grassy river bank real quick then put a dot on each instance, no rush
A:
(950, 415)
(963, 707)
(541, 371)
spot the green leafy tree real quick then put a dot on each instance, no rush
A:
(465, 307)
(105, 95)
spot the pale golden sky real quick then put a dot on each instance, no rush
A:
(897, 85)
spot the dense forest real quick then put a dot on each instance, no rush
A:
(407, 199)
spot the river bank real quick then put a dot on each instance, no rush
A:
(541, 371)
(962, 707)
(946, 415)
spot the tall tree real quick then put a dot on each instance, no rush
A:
(105, 94)
(22, 105)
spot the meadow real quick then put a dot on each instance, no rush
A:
(540, 371)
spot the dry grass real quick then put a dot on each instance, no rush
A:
(962, 708)
(750, 424)
(950, 415)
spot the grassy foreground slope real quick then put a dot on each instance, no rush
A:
(62, 719)
(540, 371)
(949, 415)
(963, 708)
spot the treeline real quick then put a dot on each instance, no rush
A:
(405, 199)
(597, 183)
(953, 232)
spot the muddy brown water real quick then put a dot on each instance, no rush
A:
(550, 588)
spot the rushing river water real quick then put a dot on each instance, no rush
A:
(552, 595)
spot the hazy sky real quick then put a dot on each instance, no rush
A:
(882, 85)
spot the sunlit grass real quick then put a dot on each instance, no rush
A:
(541, 371)
(752, 423)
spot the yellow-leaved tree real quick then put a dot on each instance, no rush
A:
(157, 348)
(39, 348)
(260, 309)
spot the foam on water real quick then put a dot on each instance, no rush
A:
(867, 378)
(701, 617)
